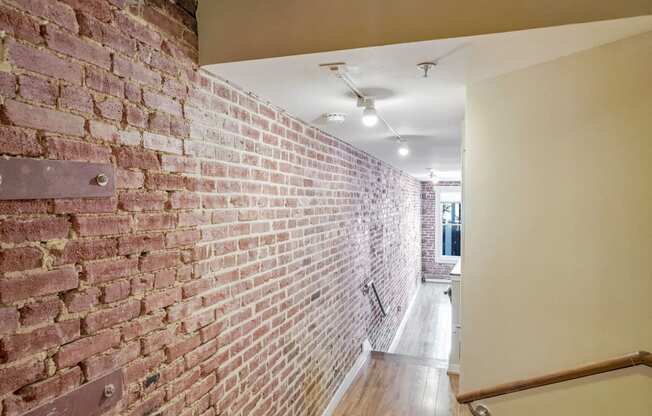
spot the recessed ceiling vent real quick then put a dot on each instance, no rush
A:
(336, 118)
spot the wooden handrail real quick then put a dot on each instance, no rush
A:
(626, 361)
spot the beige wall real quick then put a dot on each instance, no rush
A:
(238, 30)
(558, 238)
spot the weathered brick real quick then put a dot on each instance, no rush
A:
(19, 142)
(34, 395)
(25, 115)
(13, 347)
(18, 375)
(110, 108)
(162, 143)
(135, 71)
(106, 318)
(103, 364)
(44, 62)
(107, 270)
(59, 148)
(75, 47)
(161, 299)
(38, 90)
(38, 283)
(150, 222)
(136, 158)
(84, 205)
(60, 14)
(38, 312)
(104, 82)
(141, 243)
(158, 260)
(143, 201)
(20, 258)
(160, 102)
(8, 320)
(76, 99)
(182, 238)
(83, 348)
(20, 25)
(81, 301)
(17, 231)
(179, 164)
(105, 225)
(79, 250)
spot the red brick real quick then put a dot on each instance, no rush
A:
(143, 201)
(161, 299)
(134, 244)
(61, 14)
(184, 200)
(107, 318)
(25, 115)
(20, 258)
(116, 291)
(38, 90)
(161, 102)
(7, 84)
(179, 164)
(105, 225)
(97, 366)
(77, 48)
(38, 312)
(136, 158)
(77, 99)
(163, 22)
(38, 283)
(181, 238)
(99, 9)
(81, 301)
(78, 250)
(13, 347)
(201, 388)
(158, 260)
(8, 320)
(106, 270)
(180, 348)
(14, 377)
(162, 143)
(106, 34)
(164, 181)
(20, 25)
(110, 108)
(141, 327)
(138, 30)
(73, 150)
(44, 391)
(129, 179)
(136, 71)
(183, 383)
(159, 123)
(135, 116)
(81, 349)
(150, 222)
(104, 82)
(85, 205)
(19, 142)
(44, 62)
(16, 231)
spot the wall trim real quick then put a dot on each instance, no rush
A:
(349, 378)
(401, 327)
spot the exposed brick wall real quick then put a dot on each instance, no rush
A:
(224, 276)
(430, 268)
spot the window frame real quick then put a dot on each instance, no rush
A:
(440, 258)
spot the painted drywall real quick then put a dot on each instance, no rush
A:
(558, 231)
(264, 29)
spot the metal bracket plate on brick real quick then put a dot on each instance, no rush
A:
(39, 179)
(92, 399)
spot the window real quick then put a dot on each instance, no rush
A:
(449, 224)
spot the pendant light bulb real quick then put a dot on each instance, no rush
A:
(403, 150)
(369, 116)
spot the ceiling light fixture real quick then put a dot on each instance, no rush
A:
(425, 67)
(403, 149)
(335, 117)
(369, 114)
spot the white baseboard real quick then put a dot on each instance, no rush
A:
(349, 378)
(433, 280)
(401, 327)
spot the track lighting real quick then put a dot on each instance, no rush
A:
(369, 115)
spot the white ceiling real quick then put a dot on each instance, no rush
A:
(429, 111)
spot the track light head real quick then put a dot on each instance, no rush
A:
(403, 149)
(369, 116)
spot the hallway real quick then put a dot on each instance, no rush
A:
(411, 381)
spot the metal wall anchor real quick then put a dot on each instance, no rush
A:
(479, 410)
(102, 179)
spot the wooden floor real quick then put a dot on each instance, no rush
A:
(412, 382)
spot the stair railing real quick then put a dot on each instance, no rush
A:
(618, 363)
